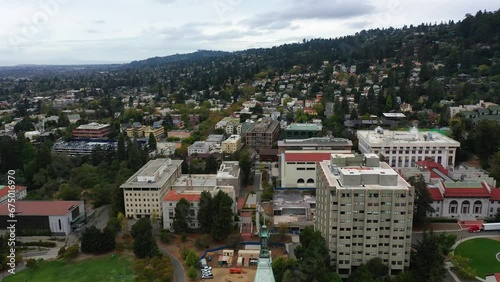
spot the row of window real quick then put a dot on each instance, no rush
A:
(141, 194)
(139, 205)
(142, 200)
(371, 195)
(140, 210)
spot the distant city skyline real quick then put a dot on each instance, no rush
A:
(112, 31)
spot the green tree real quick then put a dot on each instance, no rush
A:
(143, 225)
(313, 256)
(423, 200)
(95, 241)
(211, 165)
(181, 218)
(222, 216)
(245, 165)
(463, 267)
(191, 259)
(154, 269)
(145, 245)
(152, 141)
(446, 242)
(192, 273)
(205, 212)
(281, 265)
(427, 263)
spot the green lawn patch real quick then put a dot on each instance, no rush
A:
(481, 253)
(103, 268)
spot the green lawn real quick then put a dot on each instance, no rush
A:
(482, 254)
(103, 268)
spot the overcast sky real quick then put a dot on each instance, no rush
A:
(117, 31)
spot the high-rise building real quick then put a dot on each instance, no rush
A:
(364, 210)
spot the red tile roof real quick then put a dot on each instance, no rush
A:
(435, 194)
(430, 164)
(467, 192)
(495, 194)
(41, 208)
(174, 196)
(307, 157)
(5, 189)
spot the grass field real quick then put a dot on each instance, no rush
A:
(482, 254)
(103, 268)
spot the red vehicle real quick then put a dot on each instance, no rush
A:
(474, 229)
(236, 270)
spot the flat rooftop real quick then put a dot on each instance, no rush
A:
(92, 126)
(229, 169)
(292, 200)
(316, 141)
(413, 136)
(195, 180)
(381, 177)
(304, 126)
(155, 172)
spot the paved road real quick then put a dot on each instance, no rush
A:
(461, 234)
(179, 273)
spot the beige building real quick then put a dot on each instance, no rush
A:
(136, 130)
(179, 134)
(158, 132)
(144, 191)
(231, 144)
(364, 210)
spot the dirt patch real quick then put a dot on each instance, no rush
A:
(222, 274)
(473, 162)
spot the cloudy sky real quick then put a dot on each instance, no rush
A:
(116, 31)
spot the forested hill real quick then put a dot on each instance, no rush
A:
(462, 45)
(156, 61)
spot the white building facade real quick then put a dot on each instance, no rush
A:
(199, 147)
(402, 149)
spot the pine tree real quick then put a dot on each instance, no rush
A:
(152, 141)
(205, 212)
(181, 220)
(427, 261)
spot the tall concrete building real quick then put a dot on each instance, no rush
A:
(363, 210)
(143, 192)
(404, 148)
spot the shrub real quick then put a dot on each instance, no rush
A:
(35, 243)
(192, 273)
(201, 242)
(184, 253)
(183, 237)
(192, 258)
(72, 251)
(463, 268)
(166, 236)
(31, 263)
(61, 252)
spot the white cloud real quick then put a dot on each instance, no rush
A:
(126, 30)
